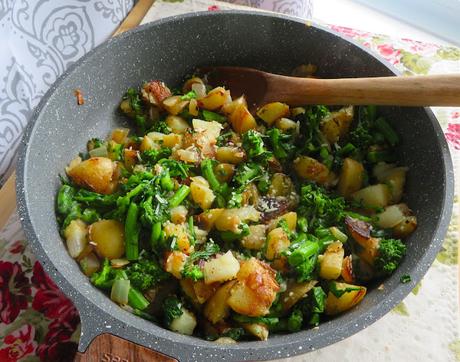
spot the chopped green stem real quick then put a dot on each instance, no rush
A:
(179, 196)
(155, 235)
(137, 300)
(166, 182)
(388, 132)
(132, 229)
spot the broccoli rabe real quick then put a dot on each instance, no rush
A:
(162, 127)
(172, 309)
(253, 144)
(105, 277)
(302, 255)
(390, 254)
(315, 305)
(282, 144)
(193, 271)
(145, 273)
(151, 157)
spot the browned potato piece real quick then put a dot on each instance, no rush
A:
(220, 269)
(250, 195)
(230, 219)
(187, 287)
(361, 232)
(336, 305)
(213, 100)
(256, 238)
(179, 232)
(351, 177)
(294, 292)
(330, 266)
(291, 220)
(175, 263)
(310, 169)
(208, 218)
(373, 196)
(174, 105)
(242, 120)
(201, 193)
(287, 125)
(270, 112)
(405, 227)
(255, 290)
(233, 155)
(179, 214)
(119, 135)
(204, 291)
(395, 179)
(177, 124)
(277, 242)
(187, 87)
(281, 185)
(109, 237)
(130, 158)
(216, 308)
(95, 173)
(336, 124)
(224, 171)
(229, 107)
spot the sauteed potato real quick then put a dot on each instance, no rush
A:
(215, 222)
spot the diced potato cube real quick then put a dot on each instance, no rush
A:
(172, 140)
(256, 238)
(95, 173)
(330, 266)
(405, 227)
(233, 155)
(310, 169)
(395, 179)
(179, 214)
(373, 196)
(281, 185)
(148, 144)
(188, 156)
(255, 290)
(109, 237)
(221, 269)
(335, 125)
(204, 291)
(291, 220)
(193, 107)
(179, 232)
(201, 193)
(90, 264)
(119, 135)
(277, 242)
(230, 219)
(229, 107)
(210, 128)
(297, 110)
(392, 215)
(270, 112)
(224, 171)
(174, 105)
(242, 120)
(216, 308)
(185, 324)
(336, 305)
(208, 218)
(175, 263)
(187, 87)
(287, 125)
(213, 100)
(130, 158)
(177, 124)
(351, 177)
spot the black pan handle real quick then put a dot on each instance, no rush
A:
(109, 348)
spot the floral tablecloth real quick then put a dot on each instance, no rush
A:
(38, 323)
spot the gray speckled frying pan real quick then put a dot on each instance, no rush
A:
(168, 49)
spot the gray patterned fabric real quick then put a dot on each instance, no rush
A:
(39, 39)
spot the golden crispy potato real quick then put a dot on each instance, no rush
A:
(259, 330)
(230, 219)
(221, 268)
(204, 291)
(201, 193)
(242, 120)
(229, 107)
(185, 323)
(351, 177)
(76, 237)
(287, 125)
(277, 242)
(214, 99)
(255, 290)
(310, 169)
(330, 266)
(179, 232)
(373, 196)
(271, 112)
(177, 124)
(216, 308)
(405, 227)
(224, 171)
(175, 262)
(233, 155)
(95, 173)
(291, 221)
(174, 105)
(120, 135)
(187, 87)
(336, 125)
(361, 232)
(208, 218)
(336, 305)
(294, 292)
(179, 214)
(281, 185)
(256, 238)
(109, 237)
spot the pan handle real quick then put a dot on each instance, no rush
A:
(109, 348)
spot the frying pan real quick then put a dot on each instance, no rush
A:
(169, 49)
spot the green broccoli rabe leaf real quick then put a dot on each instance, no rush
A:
(302, 255)
(390, 254)
(145, 273)
(212, 116)
(406, 278)
(176, 168)
(151, 157)
(311, 138)
(134, 100)
(234, 333)
(295, 320)
(115, 151)
(162, 127)
(282, 144)
(172, 309)
(339, 292)
(254, 146)
(104, 278)
(193, 271)
(268, 321)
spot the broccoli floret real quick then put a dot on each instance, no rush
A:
(105, 277)
(145, 273)
(172, 309)
(302, 255)
(176, 168)
(161, 127)
(151, 157)
(193, 271)
(391, 253)
(282, 144)
(321, 209)
(94, 143)
(246, 173)
(254, 146)
(188, 96)
(311, 137)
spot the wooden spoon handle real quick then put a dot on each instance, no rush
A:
(429, 90)
(109, 348)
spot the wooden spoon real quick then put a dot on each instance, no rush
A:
(262, 87)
